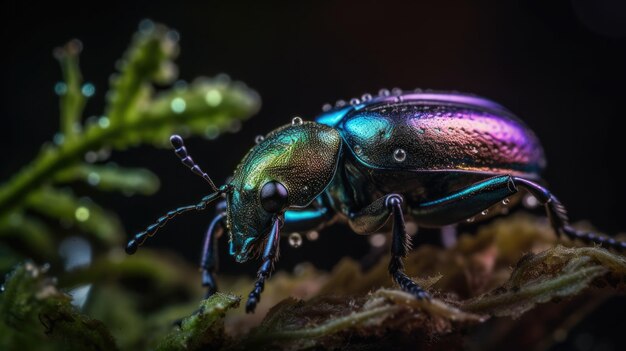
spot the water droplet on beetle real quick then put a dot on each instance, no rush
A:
(399, 155)
(259, 139)
(296, 121)
(396, 91)
(506, 201)
(366, 97)
(378, 240)
(383, 92)
(530, 201)
(340, 103)
(357, 149)
(312, 235)
(354, 101)
(470, 220)
(485, 212)
(295, 240)
(327, 107)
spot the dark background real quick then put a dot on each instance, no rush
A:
(559, 65)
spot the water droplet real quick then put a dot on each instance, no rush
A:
(354, 101)
(296, 121)
(295, 240)
(506, 201)
(357, 149)
(180, 84)
(378, 240)
(173, 35)
(88, 90)
(411, 228)
(93, 179)
(60, 88)
(399, 155)
(104, 122)
(234, 126)
(58, 138)
(340, 103)
(211, 132)
(178, 105)
(213, 97)
(530, 201)
(383, 92)
(312, 235)
(82, 214)
(396, 91)
(470, 220)
(485, 212)
(146, 26)
(327, 107)
(2, 288)
(417, 90)
(366, 97)
(259, 139)
(91, 157)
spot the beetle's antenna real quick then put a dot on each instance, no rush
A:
(181, 152)
(140, 238)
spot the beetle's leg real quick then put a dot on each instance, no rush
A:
(558, 216)
(140, 238)
(372, 218)
(464, 203)
(209, 260)
(270, 254)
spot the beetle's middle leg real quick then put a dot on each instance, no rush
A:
(375, 216)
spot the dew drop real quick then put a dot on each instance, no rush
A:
(295, 240)
(178, 105)
(93, 178)
(358, 150)
(366, 97)
(259, 139)
(378, 240)
(396, 91)
(213, 97)
(91, 156)
(60, 88)
(58, 138)
(506, 201)
(104, 122)
(340, 103)
(211, 132)
(485, 212)
(296, 121)
(312, 235)
(88, 90)
(383, 92)
(327, 107)
(530, 201)
(146, 26)
(354, 101)
(470, 220)
(82, 214)
(399, 155)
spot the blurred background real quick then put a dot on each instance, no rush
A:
(559, 65)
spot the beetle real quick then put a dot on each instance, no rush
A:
(438, 158)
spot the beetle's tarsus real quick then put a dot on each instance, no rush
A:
(557, 215)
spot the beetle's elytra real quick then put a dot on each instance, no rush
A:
(438, 158)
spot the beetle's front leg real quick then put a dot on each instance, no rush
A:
(208, 263)
(373, 217)
(270, 253)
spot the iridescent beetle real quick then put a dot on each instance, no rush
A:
(438, 158)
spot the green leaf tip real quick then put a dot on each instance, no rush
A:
(203, 330)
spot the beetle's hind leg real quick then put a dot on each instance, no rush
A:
(372, 218)
(558, 216)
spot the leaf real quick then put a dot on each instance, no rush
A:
(111, 177)
(83, 213)
(27, 235)
(72, 100)
(34, 315)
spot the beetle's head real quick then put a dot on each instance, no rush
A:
(288, 169)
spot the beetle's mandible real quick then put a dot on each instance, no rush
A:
(436, 157)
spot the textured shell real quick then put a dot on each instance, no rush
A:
(302, 157)
(438, 131)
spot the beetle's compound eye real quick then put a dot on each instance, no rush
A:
(273, 196)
